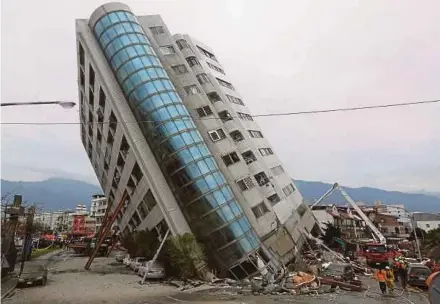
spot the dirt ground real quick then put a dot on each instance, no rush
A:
(110, 282)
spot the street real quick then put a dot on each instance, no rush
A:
(110, 282)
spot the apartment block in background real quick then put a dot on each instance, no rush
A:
(162, 122)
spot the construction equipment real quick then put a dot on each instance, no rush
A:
(376, 233)
(109, 219)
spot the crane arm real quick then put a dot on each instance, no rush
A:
(363, 216)
(330, 191)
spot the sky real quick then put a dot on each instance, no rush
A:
(281, 56)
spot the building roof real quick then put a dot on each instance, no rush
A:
(420, 217)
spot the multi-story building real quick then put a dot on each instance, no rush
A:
(98, 208)
(427, 221)
(162, 123)
(47, 219)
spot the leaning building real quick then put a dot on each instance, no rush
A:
(162, 122)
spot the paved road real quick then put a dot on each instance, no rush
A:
(109, 282)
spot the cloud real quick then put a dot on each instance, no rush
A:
(281, 56)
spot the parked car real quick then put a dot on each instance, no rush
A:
(136, 262)
(33, 274)
(120, 257)
(154, 270)
(417, 275)
(412, 261)
(127, 261)
(342, 271)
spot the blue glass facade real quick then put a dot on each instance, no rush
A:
(206, 199)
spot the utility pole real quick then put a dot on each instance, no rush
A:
(9, 254)
(27, 237)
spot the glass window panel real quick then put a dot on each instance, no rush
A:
(236, 229)
(203, 167)
(187, 138)
(253, 239)
(133, 38)
(127, 86)
(105, 21)
(177, 142)
(173, 113)
(219, 178)
(163, 131)
(135, 79)
(171, 127)
(113, 17)
(211, 200)
(164, 114)
(146, 105)
(212, 184)
(185, 156)
(121, 16)
(196, 136)
(203, 150)
(119, 29)
(182, 111)
(104, 39)
(141, 38)
(111, 32)
(159, 85)
(245, 244)
(167, 84)
(146, 61)
(110, 51)
(131, 51)
(152, 73)
(123, 55)
(201, 184)
(195, 152)
(130, 16)
(211, 164)
(161, 72)
(180, 124)
(193, 171)
(150, 87)
(137, 62)
(155, 99)
(228, 213)
(235, 209)
(244, 224)
(116, 61)
(141, 49)
(127, 27)
(227, 192)
(123, 40)
(142, 92)
(219, 197)
(98, 28)
(155, 61)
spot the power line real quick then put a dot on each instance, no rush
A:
(360, 108)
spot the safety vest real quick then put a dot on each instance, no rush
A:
(380, 276)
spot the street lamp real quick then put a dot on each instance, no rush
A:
(63, 104)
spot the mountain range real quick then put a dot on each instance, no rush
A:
(59, 194)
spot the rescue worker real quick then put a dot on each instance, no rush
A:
(380, 276)
(402, 273)
(389, 278)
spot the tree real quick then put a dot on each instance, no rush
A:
(141, 243)
(421, 234)
(330, 233)
(432, 239)
(181, 254)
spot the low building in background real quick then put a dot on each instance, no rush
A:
(98, 208)
(427, 221)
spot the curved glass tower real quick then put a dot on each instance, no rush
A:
(206, 199)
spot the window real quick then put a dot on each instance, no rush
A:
(91, 98)
(288, 190)
(182, 44)
(217, 135)
(428, 226)
(225, 84)
(265, 151)
(255, 134)
(136, 173)
(244, 116)
(180, 69)
(203, 78)
(216, 68)
(236, 136)
(206, 53)
(91, 77)
(192, 90)
(261, 178)
(213, 97)
(230, 159)
(249, 157)
(235, 100)
(157, 30)
(225, 116)
(245, 183)
(192, 61)
(101, 99)
(149, 201)
(274, 199)
(204, 111)
(260, 210)
(81, 54)
(277, 170)
(167, 50)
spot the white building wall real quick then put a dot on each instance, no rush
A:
(428, 225)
